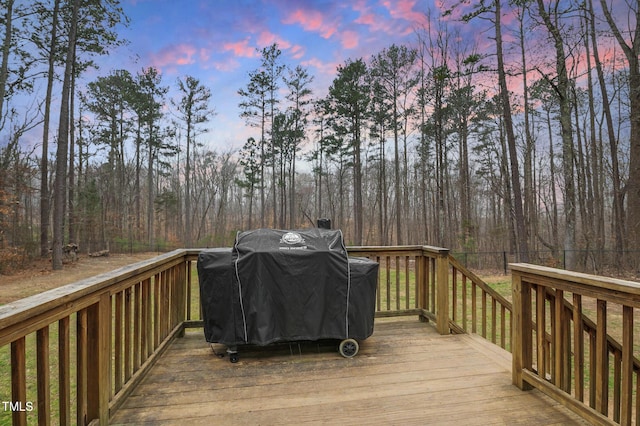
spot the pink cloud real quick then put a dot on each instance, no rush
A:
(226, 66)
(313, 21)
(403, 9)
(204, 54)
(349, 39)
(177, 55)
(367, 18)
(378, 23)
(297, 51)
(240, 48)
(323, 67)
(267, 38)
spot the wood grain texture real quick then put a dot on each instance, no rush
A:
(406, 373)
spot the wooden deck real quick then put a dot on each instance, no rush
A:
(405, 373)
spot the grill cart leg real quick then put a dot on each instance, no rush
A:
(348, 348)
(233, 354)
(213, 349)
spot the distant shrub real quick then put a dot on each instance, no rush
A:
(12, 259)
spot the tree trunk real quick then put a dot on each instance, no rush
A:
(45, 206)
(633, 184)
(72, 144)
(562, 90)
(6, 50)
(530, 209)
(594, 152)
(62, 151)
(520, 228)
(618, 208)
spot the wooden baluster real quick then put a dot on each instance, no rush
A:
(493, 320)
(19, 380)
(379, 288)
(503, 327)
(474, 308)
(188, 295)
(99, 359)
(566, 327)
(602, 360)
(617, 371)
(81, 367)
(578, 347)
(637, 404)
(43, 376)
(118, 346)
(127, 334)
(541, 331)
(484, 314)
(454, 293)
(427, 284)
(592, 369)
(421, 293)
(464, 303)
(388, 280)
(407, 291)
(627, 365)
(157, 297)
(432, 283)
(137, 326)
(145, 316)
(64, 374)
(558, 340)
(397, 269)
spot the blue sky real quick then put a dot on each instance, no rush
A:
(216, 41)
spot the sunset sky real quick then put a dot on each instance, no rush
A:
(216, 41)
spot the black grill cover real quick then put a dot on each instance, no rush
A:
(277, 285)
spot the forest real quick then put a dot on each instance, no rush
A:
(522, 145)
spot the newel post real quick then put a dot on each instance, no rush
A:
(99, 359)
(522, 330)
(442, 291)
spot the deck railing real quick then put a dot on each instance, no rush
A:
(588, 365)
(428, 281)
(73, 354)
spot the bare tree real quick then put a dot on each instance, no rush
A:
(193, 111)
(551, 17)
(60, 187)
(631, 50)
(392, 69)
(349, 94)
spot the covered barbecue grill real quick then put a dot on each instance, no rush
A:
(285, 286)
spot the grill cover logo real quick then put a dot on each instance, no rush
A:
(292, 238)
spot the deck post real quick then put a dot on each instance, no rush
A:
(522, 331)
(99, 359)
(182, 284)
(442, 292)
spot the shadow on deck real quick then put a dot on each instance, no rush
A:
(406, 373)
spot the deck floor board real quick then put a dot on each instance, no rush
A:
(404, 374)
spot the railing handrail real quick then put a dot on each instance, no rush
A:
(480, 282)
(601, 287)
(575, 335)
(22, 310)
(399, 248)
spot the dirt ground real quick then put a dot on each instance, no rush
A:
(40, 277)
